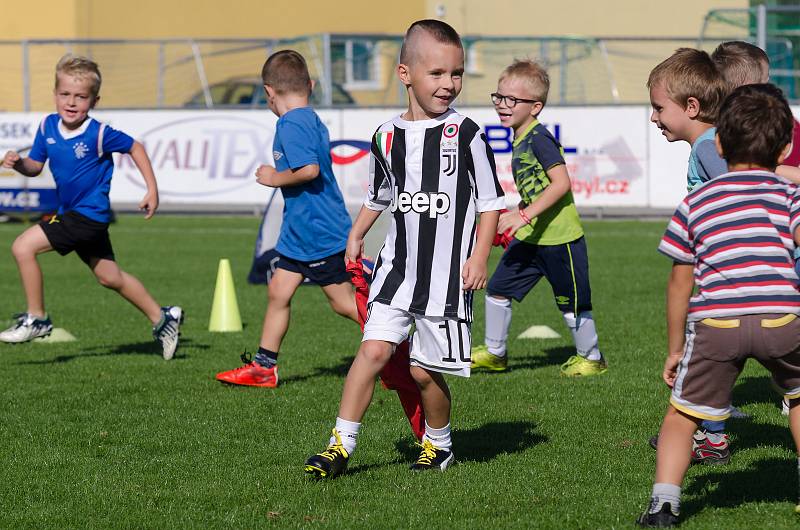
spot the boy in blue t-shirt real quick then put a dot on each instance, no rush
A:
(315, 225)
(79, 149)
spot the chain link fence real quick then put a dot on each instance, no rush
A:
(349, 69)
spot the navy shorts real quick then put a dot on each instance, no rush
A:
(325, 271)
(565, 266)
(73, 231)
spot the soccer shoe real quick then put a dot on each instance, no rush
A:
(710, 448)
(664, 518)
(577, 366)
(431, 457)
(27, 327)
(167, 331)
(481, 358)
(330, 462)
(251, 374)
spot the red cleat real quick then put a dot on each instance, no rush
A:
(251, 374)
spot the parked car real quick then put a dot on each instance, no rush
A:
(249, 92)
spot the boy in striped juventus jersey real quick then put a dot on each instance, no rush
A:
(733, 238)
(433, 169)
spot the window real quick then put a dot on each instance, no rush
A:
(355, 64)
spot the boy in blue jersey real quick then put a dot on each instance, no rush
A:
(315, 225)
(79, 149)
(733, 292)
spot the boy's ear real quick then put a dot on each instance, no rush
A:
(404, 74)
(692, 107)
(94, 102)
(313, 84)
(785, 153)
(536, 108)
(718, 144)
(270, 91)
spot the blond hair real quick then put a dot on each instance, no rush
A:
(82, 68)
(533, 74)
(690, 73)
(740, 63)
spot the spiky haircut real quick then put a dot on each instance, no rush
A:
(531, 73)
(442, 32)
(691, 73)
(82, 68)
(740, 63)
(287, 71)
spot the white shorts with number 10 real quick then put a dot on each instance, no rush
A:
(439, 344)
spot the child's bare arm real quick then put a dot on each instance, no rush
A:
(679, 290)
(149, 202)
(790, 173)
(475, 273)
(269, 176)
(560, 184)
(26, 166)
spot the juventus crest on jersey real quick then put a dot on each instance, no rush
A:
(434, 176)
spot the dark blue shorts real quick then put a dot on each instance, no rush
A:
(325, 271)
(565, 266)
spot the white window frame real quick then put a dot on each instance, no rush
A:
(352, 84)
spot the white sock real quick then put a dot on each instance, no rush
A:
(348, 431)
(584, 334)
(440, 438)
(498, 320)
(663, 492)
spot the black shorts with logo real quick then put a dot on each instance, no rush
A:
(325, 271)
(73, 231)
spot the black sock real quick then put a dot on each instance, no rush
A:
(266, 358)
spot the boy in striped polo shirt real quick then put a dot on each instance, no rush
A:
(733, 237)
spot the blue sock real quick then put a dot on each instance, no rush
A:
(266, 358)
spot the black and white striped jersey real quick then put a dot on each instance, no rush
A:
(434, 176)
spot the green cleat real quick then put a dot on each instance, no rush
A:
(330, 462)
(481, 358)
(577, 366)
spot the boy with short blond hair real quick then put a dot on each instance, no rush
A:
(741, 63)
(434, 170)
(79, 149)
(686, 91)
(747, 301)
(548, 239)
(315, 223)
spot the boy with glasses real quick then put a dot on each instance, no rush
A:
(547, 233)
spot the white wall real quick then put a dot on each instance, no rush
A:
(206, 159)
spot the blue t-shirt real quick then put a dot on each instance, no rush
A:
(81, 163)
(315, 220)
(704, 161)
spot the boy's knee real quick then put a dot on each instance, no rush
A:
(278, 295)
(110, 281)
(20, 250)
(421, 376)
(376, 353)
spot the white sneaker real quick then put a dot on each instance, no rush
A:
(167, 331)
(27, 327)
(785, 407)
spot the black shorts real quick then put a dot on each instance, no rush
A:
(73, 231)
(565, 266)
(325, 271)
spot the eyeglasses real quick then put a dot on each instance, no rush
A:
(511, 101)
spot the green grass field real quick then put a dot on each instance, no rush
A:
(102, 433)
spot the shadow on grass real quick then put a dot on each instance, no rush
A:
(557, 355)
(134, 348)
(769, 480)
(754, 390)
(485, 442)
(746, 434)
(338, 370)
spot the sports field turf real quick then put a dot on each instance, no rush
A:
(102, 433)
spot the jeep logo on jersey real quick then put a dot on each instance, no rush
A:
(434, 203)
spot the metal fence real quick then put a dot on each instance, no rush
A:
(350, 69)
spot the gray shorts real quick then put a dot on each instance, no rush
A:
(716, 350)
